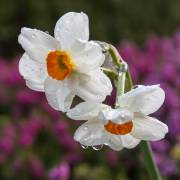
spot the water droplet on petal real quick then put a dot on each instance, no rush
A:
(98, 147)
(85, 128)
(33, 36)
(84, 147)
(78, 110)
(47, 32)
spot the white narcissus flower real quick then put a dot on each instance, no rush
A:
(122, 127)
(65, 65)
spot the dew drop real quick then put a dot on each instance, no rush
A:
(85, 128)
(98, 147)
(78, 110)
(33, 36)
(47, 32)
(84, 147)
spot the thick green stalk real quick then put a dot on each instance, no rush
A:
(145, 146)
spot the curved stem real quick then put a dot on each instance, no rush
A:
(145, 146)
(115, 55)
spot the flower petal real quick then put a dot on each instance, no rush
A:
(89, 57)
(91, 133)
(115, 143)
(144, 99)
(31, 70)
(148, 128)
(85, 111)
(71, 26)
(35, 86)
(118, 116)
(96, 89)
(128, 141)
(51, 89)
(60, 94)
(39, 54)
(30, 38)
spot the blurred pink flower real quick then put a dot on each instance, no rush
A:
(166, 165)
(26, 96)
(161, 146)
(60, 172)
(6, 144)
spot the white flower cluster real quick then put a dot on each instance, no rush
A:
(69, 65)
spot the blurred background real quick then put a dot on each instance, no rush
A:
(36, 142)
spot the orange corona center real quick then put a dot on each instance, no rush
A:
(59, 64)
(119, 129)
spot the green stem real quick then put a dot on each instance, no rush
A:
(145, 146)
(129, 83)
(121, 82)
(110, 73)
(115, 55)
(149, 161)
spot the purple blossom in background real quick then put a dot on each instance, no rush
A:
(6, 144)
(173, 123)
(7, 139)
(29, 130)
(60, 128)
(24, 97)
(60, 172)
(13, 78)
(161, 146)
(166, 165)
(68, 142)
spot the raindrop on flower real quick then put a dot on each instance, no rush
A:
(84, 147)
(33, 36)
(98, 147)
(85, 128)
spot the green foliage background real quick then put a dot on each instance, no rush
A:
(110, 20)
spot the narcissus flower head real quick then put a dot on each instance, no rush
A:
(64, 65)
(125, 126)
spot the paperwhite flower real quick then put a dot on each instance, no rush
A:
(125, 126)
(66, 65)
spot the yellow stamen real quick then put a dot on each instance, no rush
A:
(59, 64)
(119, 129)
